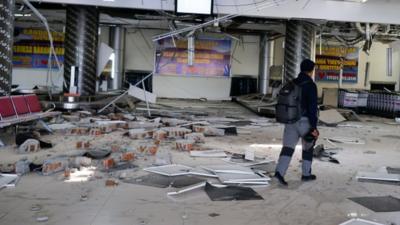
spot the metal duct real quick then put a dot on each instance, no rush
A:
(117, 42)
(298, 46)
(6, 44)
(81, 48)
(264, 64)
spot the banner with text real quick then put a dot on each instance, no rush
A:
(330, 60)
(31, 48)
(211, 57)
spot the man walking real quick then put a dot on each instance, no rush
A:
(305, 128)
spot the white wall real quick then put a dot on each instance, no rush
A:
(28, 78)
(140, 56)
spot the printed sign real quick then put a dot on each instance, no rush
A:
(31, 48)
(211, 58)
(328, 64)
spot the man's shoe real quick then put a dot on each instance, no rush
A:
(280, 179)
(309, 178)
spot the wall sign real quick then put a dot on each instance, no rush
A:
(31, 48)
(212, 58)
(328, 64)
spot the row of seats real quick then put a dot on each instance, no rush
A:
(21, 108)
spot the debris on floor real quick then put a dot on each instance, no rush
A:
(358, 221)
(379, 203)
(331, 117)
(209, 154)
(8, 180)
(389, 178)
(323, 154)
(346, 140)
(231, 193)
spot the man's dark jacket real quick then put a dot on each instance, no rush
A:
(309, 101)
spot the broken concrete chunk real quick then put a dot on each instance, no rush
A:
(197, 137)
(54, 165)
(176, 132)
(139, 134)
(160, 134)
(331, 117)
(184, 145)
(30, 145)
(83, 144)
(208, 131)
(78, 131)
(147, 148)
(108, 163)
(82, 161)
(172, 122)
(143, 124)
(95, 132)
(127, 156)
(111, 183)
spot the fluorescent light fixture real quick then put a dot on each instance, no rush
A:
(22, 15)
(194, 6)
(357, 1)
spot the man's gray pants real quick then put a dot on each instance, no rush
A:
(291, 135)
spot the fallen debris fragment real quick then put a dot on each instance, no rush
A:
(331, 117)
(54, 165)
(231, 193)
(379, 204)
(346, 140)
(42, 219)
(358, 221)
(377, 176)
(209, 154)
(8, 180)
(184, 145)
(197, 137)
(111, 183)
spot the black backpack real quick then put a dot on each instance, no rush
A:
(288, 109)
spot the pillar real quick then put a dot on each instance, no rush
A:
(265, 62)
(117, 42)
(81, 35)
(6, 44)
(298, 46)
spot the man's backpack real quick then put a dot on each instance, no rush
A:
(288, 109)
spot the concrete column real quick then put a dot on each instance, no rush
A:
(299, 41)
(6, 44)
(81, 35)
(265, 62)
(117, 42)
